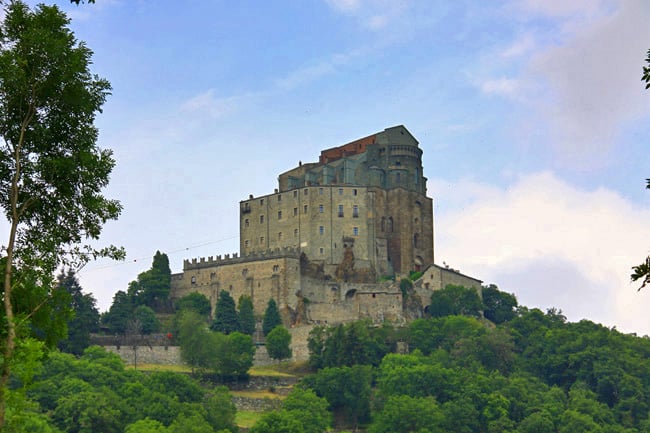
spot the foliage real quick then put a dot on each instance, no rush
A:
(646, 72)
(147, 318)
(405, 285)
(196, 302)
(278, 343)
(246, 315)
(402, 413)
(225, 315)
(305, 406)
(220, 411)
(455, 300)
(642, 271)
(85, 319)
(277, 422)
(117, 318)
(271, 317)
(499, 306)
(52, 173)
(152, 286)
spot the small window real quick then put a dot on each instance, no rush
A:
(295, 194)
(279, 214)
(340, 191)
(355, 231)
(244, 272)
(276, 268)
(354, 192)
(355, 211)
(262, 202)
(193, 279)
(320, 191)
(320, 208)
(321, 250)
(397, 177)
(340, 211)
(279, 197)
(261, 219)
(279, 236)
(306, 191)
(295, 233)
(261, 240)
(295, 211)
(246, 222)
(246, 243)
(321, 230)
(305, 208)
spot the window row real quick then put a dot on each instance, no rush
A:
(341, 191)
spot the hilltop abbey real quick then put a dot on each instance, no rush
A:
(325, 241)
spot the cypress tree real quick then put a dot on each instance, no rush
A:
(271, 317)
(246, 315)
(225, 316)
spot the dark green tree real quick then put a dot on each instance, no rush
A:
(85, 319)
(196, 343)
(499, 306)
(455, 300)
(220, 410)
(402, 413)
(196, 302)
(119, 314)
(246, 315)
(642, 271)
(225, 315)
(271, 317)
(152, 286)
(52, 173)
(278, 422)
(278, 343)
(147, 318)
(305, 406)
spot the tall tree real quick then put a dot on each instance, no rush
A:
(642, 271)
(152, 286)
(52, 172)
(196, 302)
(119, 314)
(86, 315)
(278, 343)
(246, 315)
(455, 300)
(499, 306)
(225, 314)
(271, 317)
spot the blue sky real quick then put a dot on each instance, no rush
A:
(534, 123)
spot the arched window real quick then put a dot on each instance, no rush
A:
(383, 224)
(415, 240)
(390, 224)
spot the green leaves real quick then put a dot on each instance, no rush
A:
(646, 76)
(642, 272)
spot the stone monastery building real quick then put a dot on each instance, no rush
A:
(322, 241)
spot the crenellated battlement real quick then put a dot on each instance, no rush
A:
(228, 259)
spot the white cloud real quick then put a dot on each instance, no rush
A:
(207, 105)
(345, 6)
(519, 47)
(546, 240)
(500, 86)
(373, 15)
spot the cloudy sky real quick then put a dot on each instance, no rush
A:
(534, 123)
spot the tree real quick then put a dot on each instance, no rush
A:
(225, 314)
(271, 317)
(278, 343)
(119, 314)
(499, 306)
(278, 421)
(646, 77)
(402, 413)
(455, 300)
(147, 319)
(152, 286)
(52, 173)
(86, 315)
(246, 315)
(308, 408)
(194, 301)
(197, 349)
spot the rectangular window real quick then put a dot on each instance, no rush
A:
(304, 208)
(321, 230)
(295, 233)
(306, 191)
(279, 214)
(340, 211)
(320, 191)
(261, 240)
(355, 211)
(295, 211)
(261, 219)
(261, 202)
(295, 194)
(279, 236)
(355, 231)
(354, 192)
(246, 222)
(246, 243)
(320, 208)
(280, 197)
(340, 191)
(321, 250)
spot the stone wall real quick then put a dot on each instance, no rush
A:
(436, 277)
(161, 355)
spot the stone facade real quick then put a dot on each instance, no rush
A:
(320, 242)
